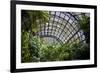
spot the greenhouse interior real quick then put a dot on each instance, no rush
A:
(54, 36)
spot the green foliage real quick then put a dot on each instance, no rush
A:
(84, 22)
(35, 49)
(31, 19)
(54, 53)
(80, 51)
(43, 52)
(25, 47)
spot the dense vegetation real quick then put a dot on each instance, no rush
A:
(39, 50)
(35, 49)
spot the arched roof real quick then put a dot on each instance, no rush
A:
(62, 26)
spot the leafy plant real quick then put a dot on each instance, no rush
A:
(25, 47)
(32, 19)
(43, 52)
(84, 22)
(80, 51)
(35, 49)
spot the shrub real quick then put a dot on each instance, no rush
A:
(40, 51)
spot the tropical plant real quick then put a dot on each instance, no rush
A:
(35, 49)
(41, 51)
(25, 53)
(80, 51)
(30, 20)
(84, 23)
